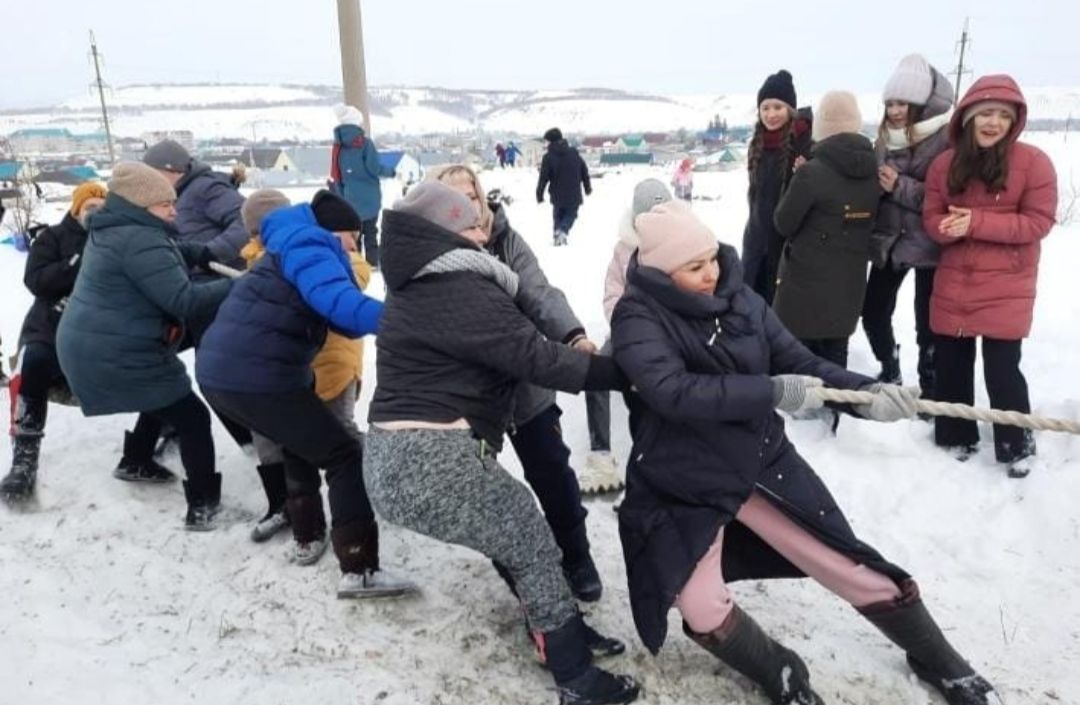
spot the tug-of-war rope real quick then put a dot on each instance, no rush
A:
(925, 406)
(960, 411)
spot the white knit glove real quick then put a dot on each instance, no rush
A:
(891, 403)
(793, 393)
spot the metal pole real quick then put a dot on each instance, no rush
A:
(960, 71)
(101, 95)
(353, 70)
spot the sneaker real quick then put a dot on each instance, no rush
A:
(148, 471)
(374, 583)
(309, 552)
(270, 525)
(201, 517)
(601, 474)
(560, 238)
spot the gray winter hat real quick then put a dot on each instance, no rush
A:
(258, 205)
(436, 202)
(649, 193)
(168, 155)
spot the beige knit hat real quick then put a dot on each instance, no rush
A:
(140, 184)
(837, 112)
(258, 205)
(671, 236)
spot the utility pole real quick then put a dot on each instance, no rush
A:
(101, 94)
(960, 70)
(353, 71)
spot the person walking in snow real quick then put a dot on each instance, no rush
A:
(255, 365)
(117, 341)
(717, 493)
(602, 469)
(682, 181)
(451, 349)
(914, 131)
(563, 174)
(354, 174)
(337, 368)
(536, 433)
(51, 268)
(781, 143)
(512, 153)
(990, 200)
(500, 154)
(826, 217)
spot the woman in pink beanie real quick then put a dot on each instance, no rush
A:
(717, 493)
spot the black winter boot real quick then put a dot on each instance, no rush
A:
(566, 653)
(890, 369)
(908, 624)
(30, 415)
(139, 466)
(578, 565)
(743, 645)
(926, 371)
(356, 546)
(204, 503)
(276, 517)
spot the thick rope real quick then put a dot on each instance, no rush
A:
(960, 411)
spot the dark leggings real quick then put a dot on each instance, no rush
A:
(191, 419)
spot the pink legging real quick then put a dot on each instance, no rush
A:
(705, 600)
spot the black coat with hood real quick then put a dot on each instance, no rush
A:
(826, 217)
(564, 169)
(51, 268)
(709, 437)
(455, 344)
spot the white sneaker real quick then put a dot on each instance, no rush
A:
(601, 473)
(374, 583)
(309, 553)
(268, 526)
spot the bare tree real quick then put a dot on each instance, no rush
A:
(1069, 202)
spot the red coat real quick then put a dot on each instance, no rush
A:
(985, 281)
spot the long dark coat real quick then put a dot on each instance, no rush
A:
(709, 437)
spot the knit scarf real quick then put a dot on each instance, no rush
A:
(482, 263)
(897, 139)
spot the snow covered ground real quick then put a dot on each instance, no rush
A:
(107, 600)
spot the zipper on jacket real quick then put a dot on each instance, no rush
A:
(718, 331)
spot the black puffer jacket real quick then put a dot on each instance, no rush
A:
(454, 345)
(709, 437)
(826, 216)
(565, 170)
(51, 269)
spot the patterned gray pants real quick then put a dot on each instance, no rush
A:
(436, 483)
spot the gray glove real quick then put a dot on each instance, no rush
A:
(891, 403)
(792, 393)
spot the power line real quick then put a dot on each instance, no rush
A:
(101, 94)
(960, 69)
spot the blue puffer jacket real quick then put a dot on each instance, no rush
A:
(274, 321)
(119, 334)
(355, 170)
(208, 212)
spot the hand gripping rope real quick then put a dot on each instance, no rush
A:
(960, 411)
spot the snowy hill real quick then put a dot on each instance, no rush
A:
(303, 112)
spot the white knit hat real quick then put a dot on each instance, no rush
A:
(911, 82)
(348, 115)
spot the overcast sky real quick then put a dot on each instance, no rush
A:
(688, 46)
